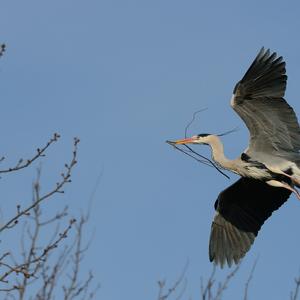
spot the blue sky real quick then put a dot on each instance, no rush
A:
(125, 76)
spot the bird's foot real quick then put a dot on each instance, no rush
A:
(285, 186)
(295, 181)
(293, 178)
(293, 190)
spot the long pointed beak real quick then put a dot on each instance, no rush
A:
(183, 141)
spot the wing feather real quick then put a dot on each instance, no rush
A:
(241, 209)
(258, 100)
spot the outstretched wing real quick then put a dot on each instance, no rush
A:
(258, 100)
(241, 209)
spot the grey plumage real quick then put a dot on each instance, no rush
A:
(258, 100)
(274, 132)
(269, 167)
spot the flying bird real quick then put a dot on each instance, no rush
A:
(269, 167)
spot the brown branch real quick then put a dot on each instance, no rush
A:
(40, 266)
(294, 295)
(249, 280)
(223, 286)
(76, 261)
(181, 281)
(58, 216)
(50, 275)
(74, 289)
(66, 178)
(207, 292)
(23, 268)
(31, 255)
(21, 164)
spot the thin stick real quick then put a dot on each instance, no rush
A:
(249, 279)
(207, 159)
(193, 119)
(188, 154)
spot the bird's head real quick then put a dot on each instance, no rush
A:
(203, 138)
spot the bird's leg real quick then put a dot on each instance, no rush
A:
(295, 181)
(278, 171)
(283, 185)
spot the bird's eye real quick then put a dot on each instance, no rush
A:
(202, 134)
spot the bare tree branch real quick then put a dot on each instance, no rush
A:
(207, 292)
(295, 293)
(66, 178)
(249, 280)
(21, 164)
(165, 292)
(38, 270)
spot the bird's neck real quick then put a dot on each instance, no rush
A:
(218, 153)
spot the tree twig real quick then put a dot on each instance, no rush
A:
(66, 178)
(164, 295)
(249, 280)
(21, 164)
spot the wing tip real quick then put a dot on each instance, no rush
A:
(266, 76)
(228, 245)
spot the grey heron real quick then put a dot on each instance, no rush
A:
(269, 167)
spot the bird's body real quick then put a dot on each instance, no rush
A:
(269, 167)
(243, 165)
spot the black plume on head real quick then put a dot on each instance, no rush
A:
(203, 134)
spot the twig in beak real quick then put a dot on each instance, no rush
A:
(206, 161)
(193, 119)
